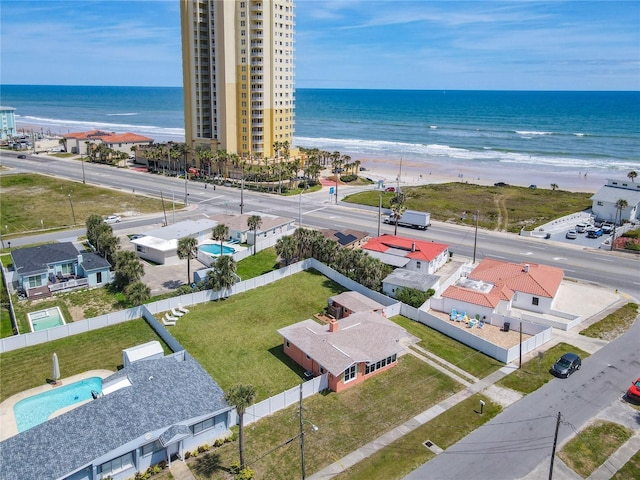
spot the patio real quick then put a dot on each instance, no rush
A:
(488, 332)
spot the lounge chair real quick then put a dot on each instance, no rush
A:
(171, 318)
(182, 309)
(461, 316)
(167, 322)
(481, 324)
(176, 313)
(454, 314)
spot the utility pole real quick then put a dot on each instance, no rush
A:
(475, 238)
(520, 364)
(304, 475)
(555, 443)
(164, 210)
(82, 161)
(72, 211)
(242, 191)
(379, 211)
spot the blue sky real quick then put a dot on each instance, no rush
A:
(419, 44)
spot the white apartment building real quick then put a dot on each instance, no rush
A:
(238, 74)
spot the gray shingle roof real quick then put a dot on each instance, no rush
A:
(410, 279)
(356, 302)
(164, 392)
(92, 261)
(361, 337)
(33, 260)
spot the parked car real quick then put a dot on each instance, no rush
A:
(112, 219)
(607, 228)
(571, 235)
(634, 391)
(533, 187)
(594, 232)
(566, 365)
(581, 228)
(390, 189)
(500, 184)
(22, 156)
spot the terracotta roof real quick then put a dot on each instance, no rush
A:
(87, 135)
(361, 337)
(126, 138)
(405, 247)
(532, 278)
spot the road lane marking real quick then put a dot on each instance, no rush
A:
(526, 253)
(315, 210)
(559, 259)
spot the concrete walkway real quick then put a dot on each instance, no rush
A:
(502, 396)
(180, 471)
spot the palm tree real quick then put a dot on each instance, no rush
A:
(397, 209)
(242, 396)
(632, 175)
(286, 248)
(137, 293)
(220, 233)
(223, 275)
(554, 186)
(254, 222)
(128, 269)
(621, 204)
(187, 248)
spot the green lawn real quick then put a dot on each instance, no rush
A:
(476, 363)
(593, 445)
(262, 262)
(33, 202)
(30, 367)
(535, 372)
(404, 455)
(505, 208)
(345, 421)
(236, 339)
(631, 469)
(614, 324)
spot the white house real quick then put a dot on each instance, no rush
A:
(161, 245)
(416, 255)
(271, 226)
(605, 200)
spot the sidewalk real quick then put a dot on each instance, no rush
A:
(504, 397)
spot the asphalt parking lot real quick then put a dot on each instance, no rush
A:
(582, 239)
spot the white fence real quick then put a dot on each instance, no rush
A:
(540, 333)
(283, 400)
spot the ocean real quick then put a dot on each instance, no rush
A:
(553, 131)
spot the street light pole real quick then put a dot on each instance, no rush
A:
(475, 238)
(379, 211)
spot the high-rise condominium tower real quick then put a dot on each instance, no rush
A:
(237, 63)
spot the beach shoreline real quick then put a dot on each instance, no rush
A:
(409, 172)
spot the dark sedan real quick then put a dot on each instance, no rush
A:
(566, 365)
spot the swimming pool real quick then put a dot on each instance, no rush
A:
(214, 249)
(38, 408)
(42, 319)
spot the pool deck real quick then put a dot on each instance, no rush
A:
(7, 417)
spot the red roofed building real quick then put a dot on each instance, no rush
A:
(416, 255)
(122, 142)
(497, 287)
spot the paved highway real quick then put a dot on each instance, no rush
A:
(614, 269)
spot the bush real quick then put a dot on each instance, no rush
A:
(348, 178)
(245, 473)
(413, 297)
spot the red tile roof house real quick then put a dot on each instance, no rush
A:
(416, 255)
(77, 142)
(497, 287)
(122, 142)
(350, 350)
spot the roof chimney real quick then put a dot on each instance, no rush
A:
(333, 325)
(526, 268)
(413, 246)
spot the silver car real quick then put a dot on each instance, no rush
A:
(112, 219)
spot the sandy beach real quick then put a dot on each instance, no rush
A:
(439, 170)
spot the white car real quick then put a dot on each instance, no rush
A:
(581, 228)
(571, 235)
(112, 219)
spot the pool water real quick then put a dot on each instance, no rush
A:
(43, 319)
(214, 249)
(37, 409)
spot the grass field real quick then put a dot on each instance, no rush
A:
(236, 339)
(262, 262)
(33, 203)
(30, 367)
(591, 447)
(345, 421)
(631, 469)
(501, 208)
(614, 324)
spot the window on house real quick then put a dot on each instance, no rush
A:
(350, 373)
(116, 465)
(418, 264)
(287, 343)
(535, 300)
(152, 447)
(600, 204)
(201, 426)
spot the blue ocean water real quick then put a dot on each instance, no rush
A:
(561, 131)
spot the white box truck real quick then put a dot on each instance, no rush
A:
(411, 218)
